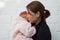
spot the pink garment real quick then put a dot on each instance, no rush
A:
(24, 28)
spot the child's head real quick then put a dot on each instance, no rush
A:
(23, 14)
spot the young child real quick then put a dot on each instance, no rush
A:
(22, 29)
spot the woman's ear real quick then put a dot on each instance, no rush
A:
(38, 14)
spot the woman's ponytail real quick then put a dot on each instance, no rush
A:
(46, 14)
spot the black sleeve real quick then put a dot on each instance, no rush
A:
(40, 34)
(43, 34)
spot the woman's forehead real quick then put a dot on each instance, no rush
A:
(31, 12)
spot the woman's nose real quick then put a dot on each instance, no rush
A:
(27, 17)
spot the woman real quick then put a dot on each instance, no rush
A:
(36, 16)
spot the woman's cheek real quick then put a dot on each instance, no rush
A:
(31, 19)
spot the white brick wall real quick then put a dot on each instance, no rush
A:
(13, 7)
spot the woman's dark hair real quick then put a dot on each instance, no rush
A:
(36, 6)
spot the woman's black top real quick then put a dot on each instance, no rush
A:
(42, 31)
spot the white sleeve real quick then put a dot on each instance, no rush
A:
(22, 37)
(30, 31)
(27, 30)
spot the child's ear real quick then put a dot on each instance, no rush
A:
(38, 14)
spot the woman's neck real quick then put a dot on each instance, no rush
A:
(38, 21)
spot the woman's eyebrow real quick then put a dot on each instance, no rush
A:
(29, 13)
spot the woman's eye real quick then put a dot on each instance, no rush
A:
(30, 13)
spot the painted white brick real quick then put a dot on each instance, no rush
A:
(56, 36)
(5, 19)
(5, 30)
